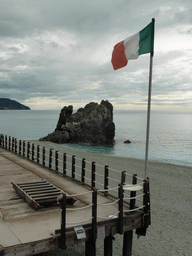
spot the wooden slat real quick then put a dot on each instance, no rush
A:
(27, 198)
(32, 183)
(36, 186)
(38, 193)
(47, 195)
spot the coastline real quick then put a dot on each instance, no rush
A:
(131, 165)
(170, 188)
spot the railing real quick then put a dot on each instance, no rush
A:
(101, 179)
(89, 173)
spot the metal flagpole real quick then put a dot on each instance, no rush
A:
(149, 109)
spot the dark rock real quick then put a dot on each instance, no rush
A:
(127, 141)
(92, 124)
(64, 116)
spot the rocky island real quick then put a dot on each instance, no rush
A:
(92, 124)
(7, 104)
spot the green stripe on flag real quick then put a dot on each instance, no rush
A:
(146, 39)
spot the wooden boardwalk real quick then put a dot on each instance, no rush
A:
(25, 231)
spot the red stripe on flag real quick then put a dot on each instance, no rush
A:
(119, 59)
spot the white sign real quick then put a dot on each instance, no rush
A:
(80, 232)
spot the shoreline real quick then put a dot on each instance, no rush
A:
(98, 157)
(171, 218)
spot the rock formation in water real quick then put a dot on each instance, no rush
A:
(127, 141)
(92, 124)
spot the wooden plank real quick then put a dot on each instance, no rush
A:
(30, 248)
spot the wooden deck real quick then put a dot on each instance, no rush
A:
(25, 231)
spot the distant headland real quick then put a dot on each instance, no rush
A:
(7, 104)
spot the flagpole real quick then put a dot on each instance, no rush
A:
(149, 110)
(148, 116)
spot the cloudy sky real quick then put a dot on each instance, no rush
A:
(58, 52)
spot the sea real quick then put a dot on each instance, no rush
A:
(170, 136)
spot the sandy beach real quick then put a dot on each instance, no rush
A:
(171, 212)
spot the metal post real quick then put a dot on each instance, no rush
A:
(23, 148)
(148, 117)
(108, 246)
(56, 160)
(50, 158)
(127, 243)
(44, 156)
(133, 193)
(90, 248)
(146, 202)
(93, 174)
(15, 145)
(128, 235)
(63, 222)
(120, 208)
(13, 142)
(149, 103)
(123, 178)
(64, 163)
(146, 212)
(94, 215)
(83, 171)
(6, 141)
(106, 181)
(9, 143)
(28, 149)
(38, 149)
(3, 141)
(19, 147)
(90, 245)
(73, 167)
(33, 149)
(149, 203)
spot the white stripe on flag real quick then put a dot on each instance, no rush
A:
(132, 47)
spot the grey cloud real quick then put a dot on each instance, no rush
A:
(25, 17)
(188, 31)
(54, 49)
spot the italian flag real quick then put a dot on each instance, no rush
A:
(133, 46)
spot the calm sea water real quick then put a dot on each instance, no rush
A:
(170, 133)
